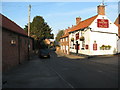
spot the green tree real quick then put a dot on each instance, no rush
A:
(40, 29)
(26, 28)
(59, 34)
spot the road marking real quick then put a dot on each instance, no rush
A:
(60, 76)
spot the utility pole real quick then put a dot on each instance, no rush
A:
(29, 9)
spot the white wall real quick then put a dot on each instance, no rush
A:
(112, 27)
(67, 49)
(103, 39)
(72, 35)
(87, 42)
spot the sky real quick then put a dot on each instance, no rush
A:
(58, 15)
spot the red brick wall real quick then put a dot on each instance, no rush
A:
(23, 49)
(9, 52)
(65, 43)
(12, 55)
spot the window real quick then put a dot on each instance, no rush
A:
(77, 36)
(66, 39)
(13, 42)
(63, 39)
(61, 47)
(86, 47)
(83, 45)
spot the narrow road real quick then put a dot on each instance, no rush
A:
(62, 72)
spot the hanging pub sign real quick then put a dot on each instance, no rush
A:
(95, 46)
(102, 23)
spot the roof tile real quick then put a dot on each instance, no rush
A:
(83, 24)
(12, 26)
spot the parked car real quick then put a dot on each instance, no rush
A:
(52, 48)
(44, 53)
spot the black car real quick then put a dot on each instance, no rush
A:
(44, 53)
(52, 48)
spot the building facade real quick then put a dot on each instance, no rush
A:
(64, 42)
(15, 44)
(94, 36)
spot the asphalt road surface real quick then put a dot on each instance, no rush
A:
(62, 72)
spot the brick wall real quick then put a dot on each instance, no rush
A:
(64, 43)
(13, 54)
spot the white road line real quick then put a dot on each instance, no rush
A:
(60, 76)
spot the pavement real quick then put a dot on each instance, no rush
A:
(59, 53)
(112, 59)
(32, 74)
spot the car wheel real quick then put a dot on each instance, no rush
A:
(48, 56)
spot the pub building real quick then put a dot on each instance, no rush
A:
(94, 36)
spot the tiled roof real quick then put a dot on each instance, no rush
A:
(12, 26)
(66, 35)
(80, 25)
(83, 24)
(117, 20)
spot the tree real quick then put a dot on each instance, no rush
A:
(59, 34)
(26, 28)
(39, 29)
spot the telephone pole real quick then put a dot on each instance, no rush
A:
(29, 9)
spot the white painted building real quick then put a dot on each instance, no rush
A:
(94, 36)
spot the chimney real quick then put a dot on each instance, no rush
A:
(101, 9)
(78, 19)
